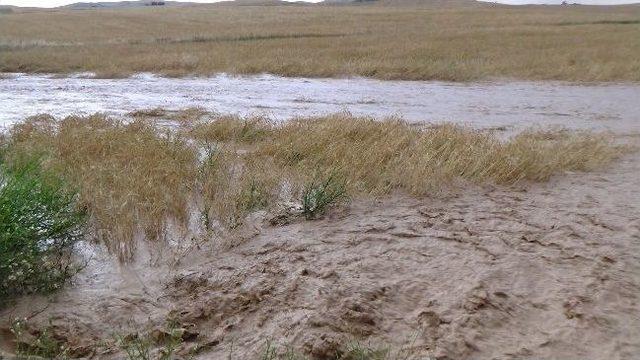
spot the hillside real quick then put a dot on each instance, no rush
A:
(120, 4)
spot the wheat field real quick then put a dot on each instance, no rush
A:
(456, 41)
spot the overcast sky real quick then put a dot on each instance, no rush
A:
(54, 3)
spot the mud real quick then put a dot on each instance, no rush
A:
(512, 105)
(537, 271)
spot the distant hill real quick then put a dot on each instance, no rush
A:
(141, 3)
(402, 2)
(348, 1)
(123, 4)
(6, 9)
(259, 3)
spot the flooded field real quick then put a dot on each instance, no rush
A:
(513, 105)
(471, 248)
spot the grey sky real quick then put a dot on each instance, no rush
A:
(54, 3)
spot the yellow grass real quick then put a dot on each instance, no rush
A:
(377, 157)
(135, 178)
(447, 41)
(131, 178)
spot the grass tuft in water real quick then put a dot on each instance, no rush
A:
(136, 347)
(319, 195)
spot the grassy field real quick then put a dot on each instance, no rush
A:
(135, 178)
(458, 42)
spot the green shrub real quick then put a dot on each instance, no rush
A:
(39, 223)
(318, 195)
(135, 346)
(138, 346)
(41, 345)
(358, 351)
(350, 351)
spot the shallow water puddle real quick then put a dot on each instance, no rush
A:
(513, 105)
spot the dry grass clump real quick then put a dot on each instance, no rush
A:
(377, 157)
(148, 113)
(457, 41)
(233, 179)
(229, 128)
(131, 178)
(233, 183)
(189, 115)
(134, 178)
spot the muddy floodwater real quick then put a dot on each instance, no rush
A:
(513, 105)
(546, 270)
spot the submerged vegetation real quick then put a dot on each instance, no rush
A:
(171, 342)
(136, 179)
(42, 344)
(48, 342)
(349, 351)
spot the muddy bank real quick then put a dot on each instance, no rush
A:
(538, 271)
(514, 105)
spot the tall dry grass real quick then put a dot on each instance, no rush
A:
(131, 177)
(377, 157)
(135, 178)
(445, 41)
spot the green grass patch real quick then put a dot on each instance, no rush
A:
(319, 195)
(41, 345)
(39, 223)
